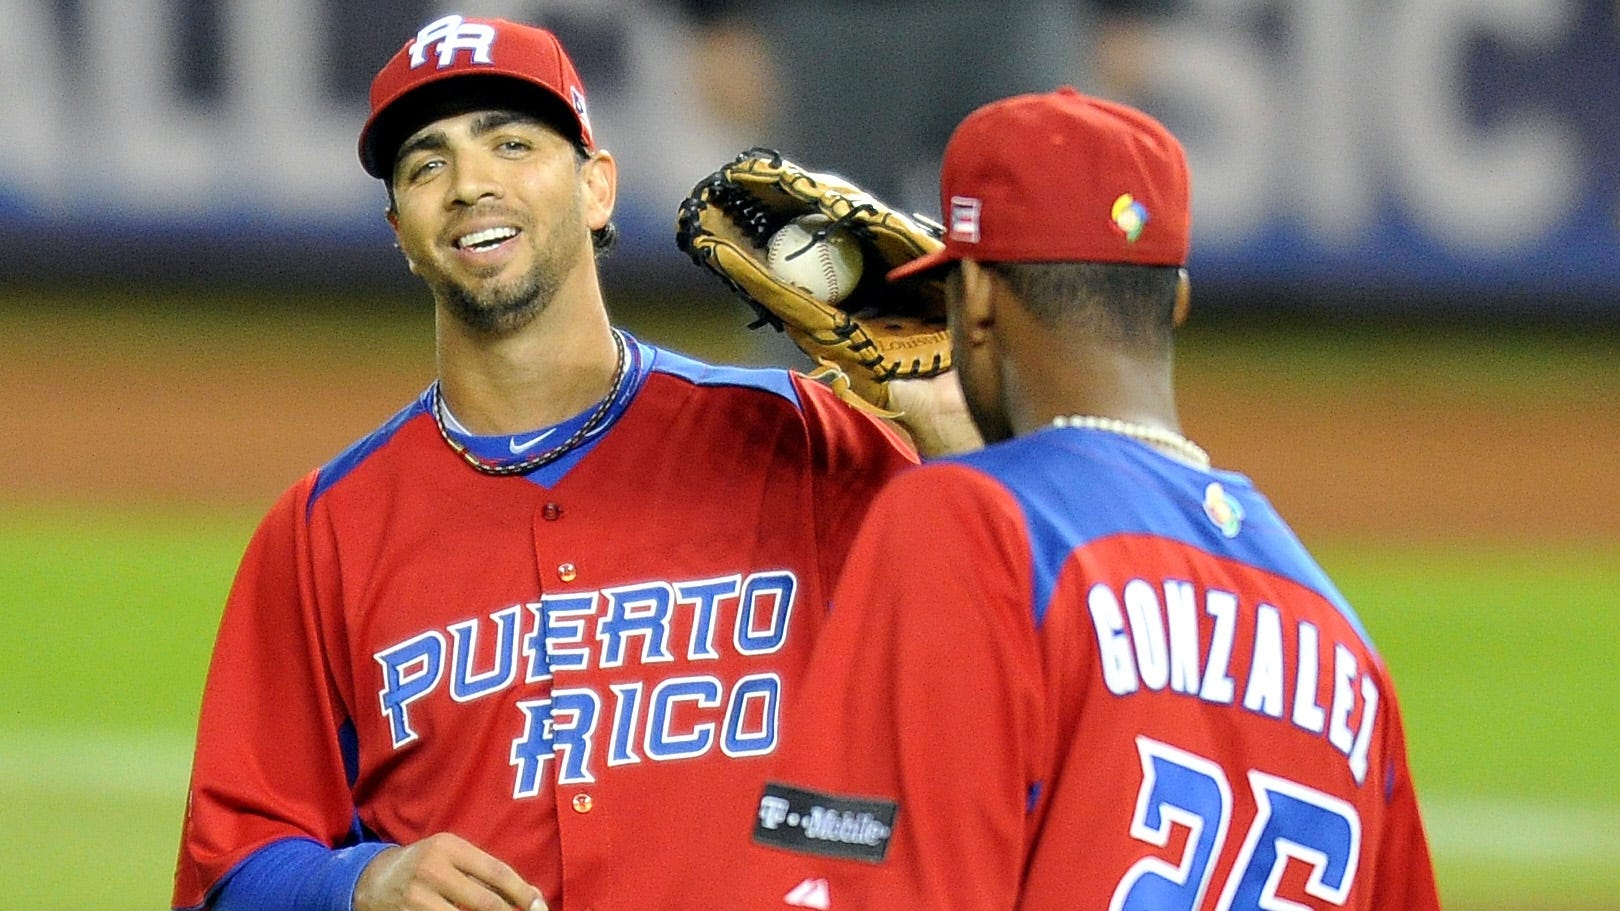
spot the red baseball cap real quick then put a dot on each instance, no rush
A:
(1061, 177)
(489, 62)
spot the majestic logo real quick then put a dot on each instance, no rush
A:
(812, 893)
(1130, 217)
(453, 34)
(965, 219)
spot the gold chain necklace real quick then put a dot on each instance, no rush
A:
(598, 415)
(1169, 440)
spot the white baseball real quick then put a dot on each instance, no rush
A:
(826, 269)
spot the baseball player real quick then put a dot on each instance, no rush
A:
(1080, 668)
(526, 644)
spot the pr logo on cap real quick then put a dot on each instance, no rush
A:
(500, 55)
(1130, 217)
(452, 34)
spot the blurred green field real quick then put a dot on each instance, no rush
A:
(1505, 660)
(1505, 657)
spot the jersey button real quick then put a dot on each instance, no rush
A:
(582, 803)
(566, 572)
(552, 512)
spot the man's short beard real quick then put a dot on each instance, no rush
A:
(502, 310)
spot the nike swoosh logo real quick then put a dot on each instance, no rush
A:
(520, 448)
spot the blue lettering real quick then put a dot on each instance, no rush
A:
(466, 686)
(564, 624)
(573, 722)
(626, 720)
(532, 750)
(410, 671)
(762, 616)
(559, 727)
(536, 664)
(751, 718)
(705, 597)
(641, 611)
(662, 740)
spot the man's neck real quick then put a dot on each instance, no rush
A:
(543, 373)
(1101, 382)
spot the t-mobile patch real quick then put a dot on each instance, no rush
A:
(829, 824)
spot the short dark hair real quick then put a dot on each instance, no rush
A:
(1129, 304)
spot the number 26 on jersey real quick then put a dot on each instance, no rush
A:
(1291, 821)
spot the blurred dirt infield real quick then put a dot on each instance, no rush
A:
(109, 408)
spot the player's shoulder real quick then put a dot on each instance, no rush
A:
(952, 488)
(1069, 491)
(789, 386)
(1006, 465)
(1034, 453)
(700, 374)
(359, 451)
(750, 397)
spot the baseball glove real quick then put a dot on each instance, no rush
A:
(877, 333)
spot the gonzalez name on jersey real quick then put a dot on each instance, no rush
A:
(1108, 680)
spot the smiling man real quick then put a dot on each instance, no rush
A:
(527, 643)
(490, 240)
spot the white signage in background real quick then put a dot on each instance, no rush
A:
(1322, 122)
(33, 130)
(101, 131)
(1481, 189)
(281, 122)
(105, 133)
(1355, 104)
(147, 148)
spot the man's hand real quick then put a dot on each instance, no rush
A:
(934, 414)
(442, 873)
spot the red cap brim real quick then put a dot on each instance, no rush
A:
(921, 264)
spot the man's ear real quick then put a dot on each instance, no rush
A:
(1183, 300)
(977, 309)
(599, 174)
(392, 215)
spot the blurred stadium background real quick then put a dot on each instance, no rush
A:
(1407, 328)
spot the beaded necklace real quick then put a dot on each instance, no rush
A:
(545, 456)
(1168, 440)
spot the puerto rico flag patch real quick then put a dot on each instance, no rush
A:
(832, 825)
(965, 214)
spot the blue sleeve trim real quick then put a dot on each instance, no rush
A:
(295, 874)
(769, 379)
(335, 470)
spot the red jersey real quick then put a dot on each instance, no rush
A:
(1070, 672)
(579, 670)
